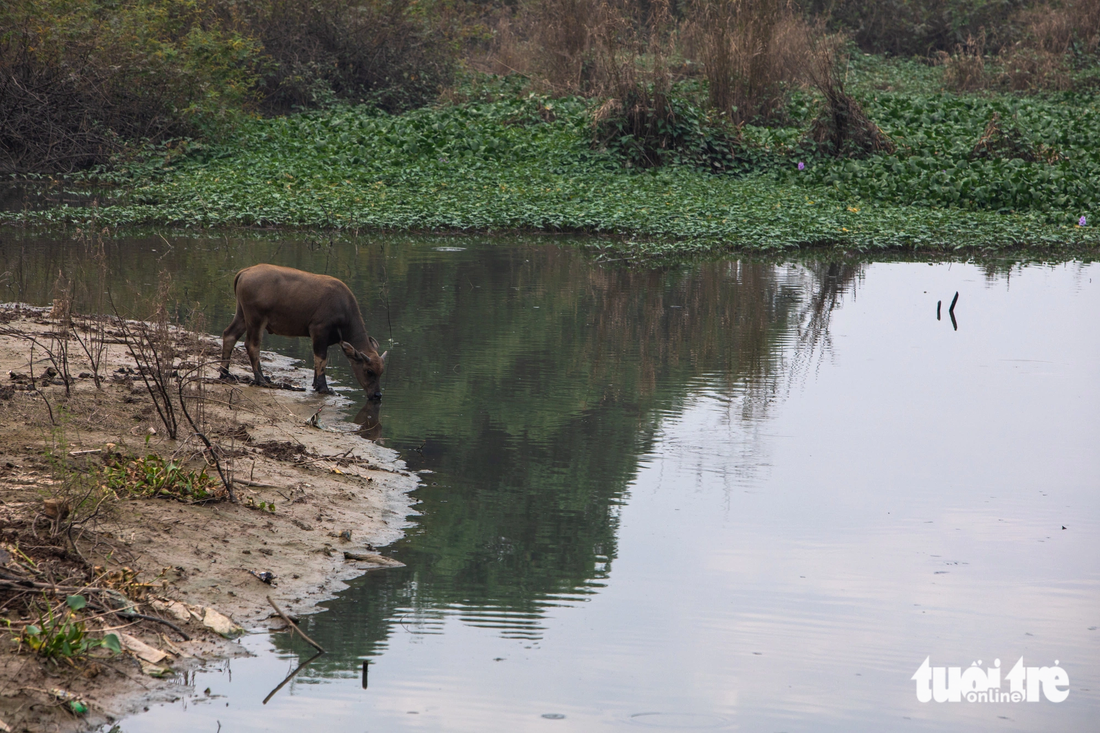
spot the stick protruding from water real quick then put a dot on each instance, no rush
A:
(294, 626)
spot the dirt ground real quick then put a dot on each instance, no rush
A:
(313, 503)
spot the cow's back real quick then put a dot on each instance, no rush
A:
(289, 301)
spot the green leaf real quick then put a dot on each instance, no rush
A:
(111, 642)
(76, 602)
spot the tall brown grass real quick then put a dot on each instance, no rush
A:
(617, 51)
(918, 27)
(1041, 58)
(964, 68)
(554, 43)
(751, 52)
(1048, 41)
(631, 73)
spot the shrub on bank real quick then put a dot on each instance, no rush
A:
(84, 80)
(393, 54)
(79, 80)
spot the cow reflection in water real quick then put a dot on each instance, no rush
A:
(369, 421)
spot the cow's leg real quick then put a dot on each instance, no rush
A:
(252, 346)
(230, 336)
(320, 384)
(320, 361)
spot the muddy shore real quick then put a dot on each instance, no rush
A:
(315, 500)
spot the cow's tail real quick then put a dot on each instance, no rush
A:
(236, 279)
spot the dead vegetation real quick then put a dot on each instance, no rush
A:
(841, 128)
(75, 612)
(383, 52)
(1004, 140)
(751, 53)
(53, 529)
(1049, 43)
(964, 68)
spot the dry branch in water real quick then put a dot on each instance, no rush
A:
(294, 626)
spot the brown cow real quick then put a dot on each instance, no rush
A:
(288, 302)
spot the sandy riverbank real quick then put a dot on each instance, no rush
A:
(309, 497)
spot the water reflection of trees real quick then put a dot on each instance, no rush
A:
(827, 283)
(536, 418)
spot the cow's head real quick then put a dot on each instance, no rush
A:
(367, 367)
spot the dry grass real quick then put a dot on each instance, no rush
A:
(1004, 140)
(1040, 60)
(631, 73)
(548, 42)
(751, 51)
(1027, 69)
(964, 69)
(842, 128)
(1050, 39)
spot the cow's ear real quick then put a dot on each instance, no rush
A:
(373, 342)
(351, 352)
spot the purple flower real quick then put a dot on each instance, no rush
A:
(1081, 222)
(801, 166)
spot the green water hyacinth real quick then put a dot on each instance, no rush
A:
(502, 163)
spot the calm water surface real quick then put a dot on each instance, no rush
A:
(734, 495)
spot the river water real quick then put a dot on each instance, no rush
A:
(734, 495)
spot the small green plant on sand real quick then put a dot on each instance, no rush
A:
(64, 635)
(263, 506)
(152, 476)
